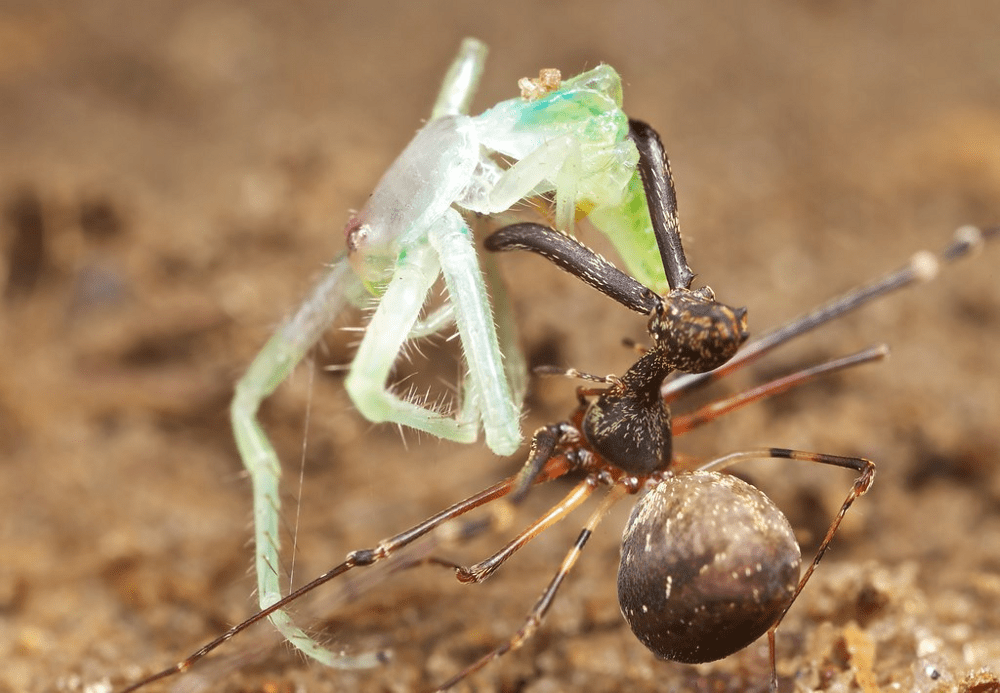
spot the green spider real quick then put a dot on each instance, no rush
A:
(564, 138)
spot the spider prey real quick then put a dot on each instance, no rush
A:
(708, 563)
(569, 138)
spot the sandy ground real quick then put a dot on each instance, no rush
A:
(173, 173)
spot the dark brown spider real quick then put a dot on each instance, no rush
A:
(708, 562)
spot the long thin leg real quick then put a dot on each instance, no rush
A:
(541, 607)
(453, 242)
(361, 558)
(271, 366)
(922, 267)
(865, 467)
(437, 320)
(861, 486)
(866, 475)
(261, 643)
(484, 569)
(682, 423)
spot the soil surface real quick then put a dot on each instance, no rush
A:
(174, 173)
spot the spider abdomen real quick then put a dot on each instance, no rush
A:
(708, 564)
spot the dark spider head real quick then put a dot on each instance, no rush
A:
(697, 332)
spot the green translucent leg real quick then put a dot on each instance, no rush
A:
(514, 363)
(501, 417)
(567, 189)
(486, 392)
(390, 326)
(461, 80)
(273, 364)
(436, 321)
(558, 161)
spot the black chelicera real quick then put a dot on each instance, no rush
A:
(708, 562)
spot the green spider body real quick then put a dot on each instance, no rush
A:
(571, 141)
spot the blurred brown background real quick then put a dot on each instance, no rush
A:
(173, 173)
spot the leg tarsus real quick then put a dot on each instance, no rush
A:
(484, 569)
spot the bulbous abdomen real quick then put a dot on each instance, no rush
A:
(708, 564)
